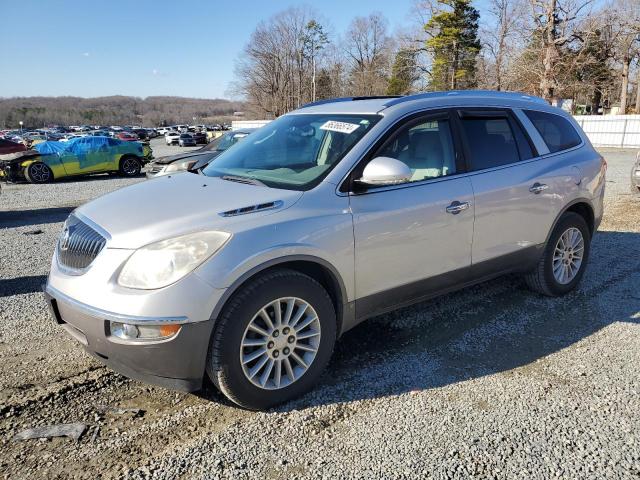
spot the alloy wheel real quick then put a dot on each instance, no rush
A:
(130, 166)
(280, 343)
(567, 255)
(39, 172)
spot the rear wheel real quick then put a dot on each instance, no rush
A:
(273, 340)
(38, 172)
(565, 257)
(130, 167)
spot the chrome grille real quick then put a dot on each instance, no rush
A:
(79, 244)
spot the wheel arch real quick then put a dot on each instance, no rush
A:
(317, 268)
(26, 164)
(581, 206)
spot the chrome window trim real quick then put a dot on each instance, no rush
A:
(540, 155)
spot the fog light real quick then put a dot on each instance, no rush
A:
(127, 331)
(124, 331)
(637, 173)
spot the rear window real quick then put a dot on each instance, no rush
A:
(556, 131)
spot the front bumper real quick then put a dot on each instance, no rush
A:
(177, 363)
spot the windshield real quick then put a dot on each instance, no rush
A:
(293, 152)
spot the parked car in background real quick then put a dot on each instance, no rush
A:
(9, 146)
(99, 133)
(171, 138)
(34, 139)
(178, 163)
(127, 137)
(71, 136)
(195, 159)
(89, 155)
(200, 138)
(635, 176)
(186, 140)
(141, 133)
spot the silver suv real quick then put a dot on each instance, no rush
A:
(336, 212)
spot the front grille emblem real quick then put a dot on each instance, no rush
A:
(66, 236)
(78, 246)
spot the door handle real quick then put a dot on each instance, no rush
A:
(456, 207)
(538, 187)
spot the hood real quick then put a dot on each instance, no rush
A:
(173, 205)
(177, 156)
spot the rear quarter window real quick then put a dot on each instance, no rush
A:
(556, 131)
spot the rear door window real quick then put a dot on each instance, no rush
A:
(556, 131)
(493, 139)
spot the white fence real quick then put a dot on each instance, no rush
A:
(622, 131)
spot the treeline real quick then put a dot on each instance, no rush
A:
(579, 50)
(114, 110)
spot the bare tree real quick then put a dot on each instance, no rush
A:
(501, 40)
(368, 48)
(554, 22)
(626, 25)
(274, 73)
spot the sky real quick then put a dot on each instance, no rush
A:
(143, 47)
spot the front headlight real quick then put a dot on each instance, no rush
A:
(179, 166)
(163, 263)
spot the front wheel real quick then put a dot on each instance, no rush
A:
(38, 172)
(273, 340)
(130, 167)
(564, 259)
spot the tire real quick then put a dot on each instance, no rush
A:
(38, 172)
(129, 166)
(225, 366)
(542, 279)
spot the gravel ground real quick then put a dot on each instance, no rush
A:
(492, 381)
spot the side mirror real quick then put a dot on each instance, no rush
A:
(385, 171)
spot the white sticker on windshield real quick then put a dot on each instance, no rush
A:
(341, 127)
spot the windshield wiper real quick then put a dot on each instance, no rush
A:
(239, 179)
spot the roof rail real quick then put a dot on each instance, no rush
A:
(468, 93)
(348, 99)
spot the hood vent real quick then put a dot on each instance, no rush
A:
(252, 209)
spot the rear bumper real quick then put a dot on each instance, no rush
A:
(177, 363)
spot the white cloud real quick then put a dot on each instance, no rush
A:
(154, 71)
(85, 54)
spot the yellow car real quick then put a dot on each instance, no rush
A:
(87, 155)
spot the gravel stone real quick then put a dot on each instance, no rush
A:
(492, 381)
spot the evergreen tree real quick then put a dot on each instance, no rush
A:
(454, 45)
(403, 72)
(314, 40)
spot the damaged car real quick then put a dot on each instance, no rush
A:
(50, 161)
(195, 159)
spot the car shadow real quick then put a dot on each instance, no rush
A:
(482, 330)
(96, 177)
(21, 285)
(38, 216)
